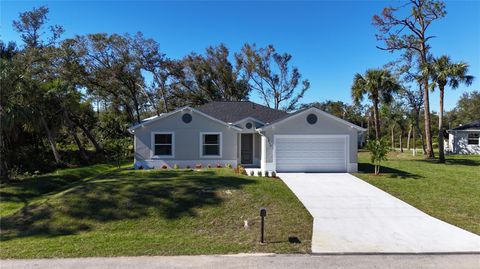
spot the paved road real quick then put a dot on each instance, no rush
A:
(255, 261)
(352, 216)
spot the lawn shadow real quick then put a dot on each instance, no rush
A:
(120, 195)
(36, 186)
(455, 161)
(369, 168)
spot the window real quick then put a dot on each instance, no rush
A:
(473, 138)
(211, 144)
(163, 144)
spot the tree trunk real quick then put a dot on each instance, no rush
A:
(441, 153)
(377, 120)
(4, 171)
(73, 133)
(88, 134)
(426, 105)
(408, 136)
(162, 92)
(137, 109)
(53, 146)
(414, 153)
(401, 146)
(393, 138)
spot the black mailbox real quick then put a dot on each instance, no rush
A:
(263, 212)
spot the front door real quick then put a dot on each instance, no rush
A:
(247, 149)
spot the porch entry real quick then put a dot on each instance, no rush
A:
(246, 151)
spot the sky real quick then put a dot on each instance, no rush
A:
(330, 41)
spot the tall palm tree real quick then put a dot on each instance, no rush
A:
(378, 85)
(443, 71)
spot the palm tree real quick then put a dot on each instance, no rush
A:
(378, 85)
(443, 72)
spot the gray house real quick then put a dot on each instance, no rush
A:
(464, 139)
(246, 133)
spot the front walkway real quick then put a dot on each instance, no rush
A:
(253, 261)
(352, 216)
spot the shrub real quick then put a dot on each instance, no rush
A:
(274, 175)
(252, 173)
(219, 165)
(198, 166)
(378, 153)
(242, 171)
(209, 166)
(175, 166)
(228, 165)
(266, 174)
(164, 166)
(259, 173)
(188, 166)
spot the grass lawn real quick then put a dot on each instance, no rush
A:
(450, 191)
(104, 211)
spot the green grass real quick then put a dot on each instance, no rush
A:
(122, 212)
(450, 191)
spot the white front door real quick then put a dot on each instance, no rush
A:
(311, 153)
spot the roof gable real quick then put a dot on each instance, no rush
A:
(304, 111)
(162, 116)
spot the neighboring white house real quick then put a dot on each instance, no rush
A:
(464, 139)
(246, 133)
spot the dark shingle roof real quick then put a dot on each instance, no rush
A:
(233, 111)
(471, 125)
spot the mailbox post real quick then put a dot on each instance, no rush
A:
(263, 213)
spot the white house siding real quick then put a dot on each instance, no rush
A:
(458, 143)
(298, 125)
(186, 142)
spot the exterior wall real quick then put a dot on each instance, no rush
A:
(458, 143)
(186, 142)
(298, 125)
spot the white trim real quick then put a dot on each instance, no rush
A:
(347, 146)
(263, 153)
(152, 146)
(220, 145)
(318, 111)
(165, 115)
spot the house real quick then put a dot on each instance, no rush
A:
(246, 133)
(464, 139)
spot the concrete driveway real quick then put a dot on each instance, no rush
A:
(352, 216)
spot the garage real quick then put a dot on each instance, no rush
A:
(311, 153)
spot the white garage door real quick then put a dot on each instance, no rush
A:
(296, 153)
